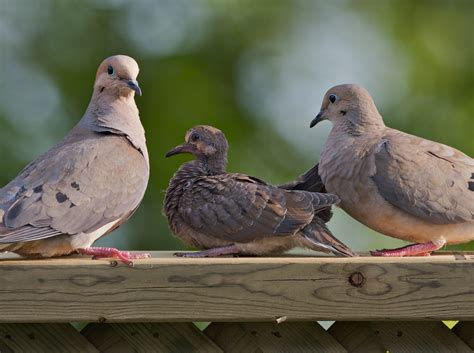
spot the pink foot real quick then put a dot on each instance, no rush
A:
(124, 256)
(422, 249)
(224, 250)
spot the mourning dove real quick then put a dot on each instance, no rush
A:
(231, 213)
(398, 184)
(89, 183)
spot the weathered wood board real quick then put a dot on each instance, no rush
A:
(293, 288)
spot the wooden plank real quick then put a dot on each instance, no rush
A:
(43, 338)
(166, 288)
(408, 336)
(263, 337)
(465, 330)
(149, 337)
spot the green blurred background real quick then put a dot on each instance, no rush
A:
(255, 69)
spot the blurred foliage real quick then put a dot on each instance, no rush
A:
(256, 70)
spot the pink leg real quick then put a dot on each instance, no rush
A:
(224, 250)
(422, 249)
(124, 256)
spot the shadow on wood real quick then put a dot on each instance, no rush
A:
(297, 337)
(148, 337)
(380, 337)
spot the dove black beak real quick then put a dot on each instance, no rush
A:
(317, 119)
(133, 84)
(184, 148)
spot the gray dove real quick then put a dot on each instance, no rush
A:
(231, 213)
(89, 183)
(398, 184)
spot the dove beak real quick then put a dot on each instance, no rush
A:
(317, 119)
(133, 84)
(184, 148)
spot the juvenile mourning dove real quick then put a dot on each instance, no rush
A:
(89, 183)
(230, 213)
(395, 183)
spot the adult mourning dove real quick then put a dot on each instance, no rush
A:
(230, 213)
(89, 183)
(395, 183)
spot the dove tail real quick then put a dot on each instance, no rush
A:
(319, 238)
(321, 201)
(322, 205)
(309, 181)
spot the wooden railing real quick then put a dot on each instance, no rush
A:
(253, 304)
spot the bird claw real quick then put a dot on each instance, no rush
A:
(123, 256)
(422, 249)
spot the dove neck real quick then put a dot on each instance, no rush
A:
(118, 115)
(205, 166)
(116, 111)
(359, 124)
(213, 165)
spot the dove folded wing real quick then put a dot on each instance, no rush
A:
(239, 208)
(426, 179)
(76, 187)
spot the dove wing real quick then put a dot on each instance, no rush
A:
(78, 186)
(240, 208)
(426, 179)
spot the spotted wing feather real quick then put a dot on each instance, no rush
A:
(75, 187)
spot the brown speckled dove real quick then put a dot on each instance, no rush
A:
(395, 183)
(230, 213)
(89, 183)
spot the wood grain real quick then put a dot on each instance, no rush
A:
(43, 338)
(166, 288)
(269, 337)
(380, 337)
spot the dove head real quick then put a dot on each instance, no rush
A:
(349, 106)
(208, 145)
(117, 77)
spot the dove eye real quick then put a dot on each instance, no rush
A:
(195, 137)
(332, 98)
(110, 70)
